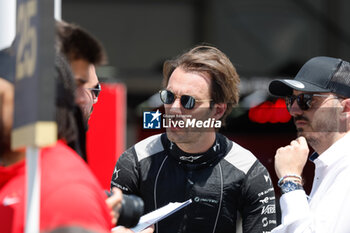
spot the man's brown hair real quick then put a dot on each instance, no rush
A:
(204, 58)
(75, 43)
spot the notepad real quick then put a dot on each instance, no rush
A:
(159, 214)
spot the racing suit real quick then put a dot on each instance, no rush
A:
(231, 190)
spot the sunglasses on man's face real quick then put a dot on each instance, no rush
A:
(95, 91)
(187, 101)
(303, 100)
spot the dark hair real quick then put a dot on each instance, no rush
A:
(204, 58)
(340, 82)
(75, 43)
(65, 104)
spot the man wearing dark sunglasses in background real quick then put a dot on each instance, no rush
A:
(231, 190)
(319, 100)
(83, 52)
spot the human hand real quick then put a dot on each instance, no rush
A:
(114, 203)
(149, 229)
(122, 229)
(291, 159)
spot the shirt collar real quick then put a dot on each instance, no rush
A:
(198, 160)
(336, 151)
(313, 156)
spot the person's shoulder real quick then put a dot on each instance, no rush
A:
(75, 203)
(149, 146)
(60, 153)
(62, 164)
(70, 191)
(240, 157)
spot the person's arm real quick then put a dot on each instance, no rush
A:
(126, 173)
(258, 207)
(329, 216)
(330, 208)
(114, 203)
(127, 230)
(290, 161)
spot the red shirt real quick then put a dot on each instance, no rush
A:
(70, 194)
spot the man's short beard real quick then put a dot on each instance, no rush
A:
(311, 140)
(86, 117)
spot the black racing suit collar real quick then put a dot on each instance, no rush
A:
(197, 160)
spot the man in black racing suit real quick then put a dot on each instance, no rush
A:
(231, 190)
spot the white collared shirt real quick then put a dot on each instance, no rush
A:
(327, 210)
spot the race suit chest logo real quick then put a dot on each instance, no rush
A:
(205, 200)
(190, 158)
(269, 209)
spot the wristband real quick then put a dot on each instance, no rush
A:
(280, 181)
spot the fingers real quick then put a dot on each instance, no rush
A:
(294, 143)
(291, 159)
(115, 199)
(302, 141)
(122, 229)
(148, 230)
(114, 202)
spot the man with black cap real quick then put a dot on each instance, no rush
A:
(319, 101)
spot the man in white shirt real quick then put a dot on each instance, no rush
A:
(319, 101)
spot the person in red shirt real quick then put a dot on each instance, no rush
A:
(70, 194)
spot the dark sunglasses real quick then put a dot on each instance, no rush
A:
(187, 101)
(95, 91)
(303, 100)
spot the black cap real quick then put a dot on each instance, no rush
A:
(319, 74)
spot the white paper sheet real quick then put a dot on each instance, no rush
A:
(158, 214)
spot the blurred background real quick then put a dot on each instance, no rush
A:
(265, 39)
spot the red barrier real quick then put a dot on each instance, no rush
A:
(105, 140)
